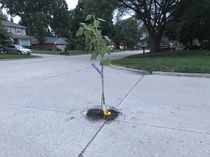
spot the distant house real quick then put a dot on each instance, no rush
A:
(18, 33)
(52, 43)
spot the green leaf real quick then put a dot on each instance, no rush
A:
(94, 41)
(89, 46)
(88, 17)
(101, 53)
(80, 32)
(94, 55)
(107, 39)
(101, 19)
(96, 23)
(105, 61)
(86, 41)
(108, 50)
(86, 33)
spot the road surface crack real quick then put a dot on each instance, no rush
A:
(130, 91)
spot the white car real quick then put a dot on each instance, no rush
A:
(16, 49)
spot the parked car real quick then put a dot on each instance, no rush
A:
(16, 49)
(164, 47)
(193, 47)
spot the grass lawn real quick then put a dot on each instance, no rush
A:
(193, 61)
(71, 52)
(14, 56)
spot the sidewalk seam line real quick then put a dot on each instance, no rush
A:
(162, 127)
(32, 107)
(130, 91)
(81, 154)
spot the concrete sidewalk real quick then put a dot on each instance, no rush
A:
(43, 104)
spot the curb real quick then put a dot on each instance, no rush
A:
(181, 74)
(143, 72)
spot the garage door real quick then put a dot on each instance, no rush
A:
(62, 47)
(24, 42)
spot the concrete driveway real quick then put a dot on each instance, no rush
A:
(43, 103)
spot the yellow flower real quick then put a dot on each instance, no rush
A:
(106, 112)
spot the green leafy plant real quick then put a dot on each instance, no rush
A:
(98, 44)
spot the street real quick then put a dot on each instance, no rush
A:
(43, 103)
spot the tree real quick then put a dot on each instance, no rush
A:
(3, 16)
(103, 9)
(155, 14)
(77, 15)
(171, 31)
(39, 29)
(27, 9)
(193, 20)
(60, 19)
(4, 35)
(128, 32)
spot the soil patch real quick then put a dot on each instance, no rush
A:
(97, 114)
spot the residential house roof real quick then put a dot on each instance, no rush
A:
(20, 36)
(11, 24)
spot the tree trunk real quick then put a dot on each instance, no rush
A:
(28, 28)
(155, 43)
(155, 39)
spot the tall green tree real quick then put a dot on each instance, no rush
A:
(3, 16)
(128, 32)
(40, 29)
(5, 37)
(27, 9)
(77, 15)
(193, 20)
(60, 19)
(155, 14)
(105, 10)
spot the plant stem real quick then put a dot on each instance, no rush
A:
(103, 97)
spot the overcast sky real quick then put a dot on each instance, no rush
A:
(72, 3)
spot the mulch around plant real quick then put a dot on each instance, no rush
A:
(97, 114)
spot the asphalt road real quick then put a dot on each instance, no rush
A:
(43, 103)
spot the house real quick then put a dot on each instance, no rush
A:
(52, 43)
(18, 33)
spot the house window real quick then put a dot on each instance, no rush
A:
(18, 30)
(7, 29)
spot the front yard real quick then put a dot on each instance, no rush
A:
(193, 61)
(35, 51)
(70, 52)
(14, 56)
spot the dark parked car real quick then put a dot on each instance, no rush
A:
(166, 48)
(16, 49)
(193, 47)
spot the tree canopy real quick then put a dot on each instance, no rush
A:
(194, 20)
(155, 14)
(4, 35)
(182, 20)
(54, 14)
(128, 32)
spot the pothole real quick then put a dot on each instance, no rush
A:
(97, 114)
